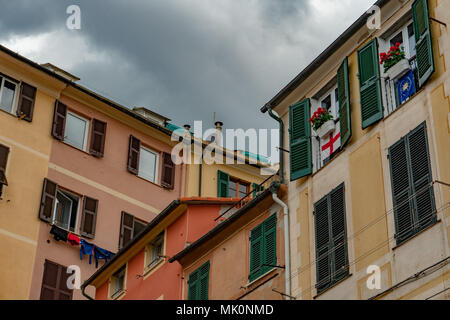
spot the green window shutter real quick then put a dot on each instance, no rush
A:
(420, 173)
(369, 84)
(193, 285)
(344, 103)
(340, 267)
(256, 252)
(223, 181)
(323, 258)
(256, 189)
(300, 140)
(270, 243)
(203, 287)
(401, 191)
(424, 49)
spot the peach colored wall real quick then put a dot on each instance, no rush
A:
(230, 265)
(166, 280)
(106, 180)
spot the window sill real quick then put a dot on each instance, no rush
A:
(10, 113)
(153, 183)
(332, 286)
(249, 284)
(76, 148)
(118, 295)
(417, 234)
(149, 270)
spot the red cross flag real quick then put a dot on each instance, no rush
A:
(331, 144)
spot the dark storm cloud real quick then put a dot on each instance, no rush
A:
(185, 59)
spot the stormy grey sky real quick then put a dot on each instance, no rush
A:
(182, 58)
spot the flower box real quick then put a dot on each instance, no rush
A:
(326, 129)
(399, 69)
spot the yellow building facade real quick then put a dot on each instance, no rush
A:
(28, 143)
(384, 250)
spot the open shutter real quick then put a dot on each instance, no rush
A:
(223, 181)
(420, 173)
(338, 232)
(48, 200)
(344, 103)
(401, 191)
(59, 120)
(270, 243)
(26, 102)
(98, 135)
(168, 171)
(257, 189)
(193, 284)
(89, 218)
(300, 140)
(203, 283)
(424, 49)
(369, 84)
(126, 229)
(256, 252)
(134, 150)
(323, 258)
(4, 151)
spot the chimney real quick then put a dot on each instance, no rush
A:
(218, 137)
(187, 127)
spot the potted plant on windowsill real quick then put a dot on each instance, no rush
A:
(322, 122)
(395, 62)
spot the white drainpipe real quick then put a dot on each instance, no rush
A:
(287, 252)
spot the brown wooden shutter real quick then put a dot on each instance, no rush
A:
(48, 200)
(4, 151)
(168, 171)
(126, 229)
(133, 155)
(98, 135)
(59, 120)
(54, 282)
(26, 102)
(89, 217)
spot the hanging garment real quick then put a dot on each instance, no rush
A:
(59, 234)
(86, 248)
(73, 239)
(103, 254)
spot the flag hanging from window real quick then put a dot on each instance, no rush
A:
(330, 144)
(406, 87)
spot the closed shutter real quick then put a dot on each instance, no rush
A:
(344, 103)
(89, 217)
(411, 179)
(168, 171)
(338, 232)
(26, 102)
(59, 120)
(204, 282)
(98, 135)
(300, 140)
(270, 243)
(256, 252)
(54, 282)
(323, 258)
(193, 284)
(223, 181)
(134, 150)
(126, 229)
(48, 200)
(199, 283)
(4, 151)
(424, 49)
(369, 84)
(424, 206)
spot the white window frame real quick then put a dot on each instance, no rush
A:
(151, 262)
(86, 133)
(315, 143)
(113, 293)
(157, 155)
(77, 211)
(16, 92)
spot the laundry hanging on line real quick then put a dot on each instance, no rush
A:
(59, 234)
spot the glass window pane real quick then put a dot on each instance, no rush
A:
(411, 40)
(8, 92)
(147, 165)
(63, 210)
(326, 103)
(397, 39)
(75, 131)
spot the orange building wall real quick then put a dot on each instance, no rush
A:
(107, 180)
